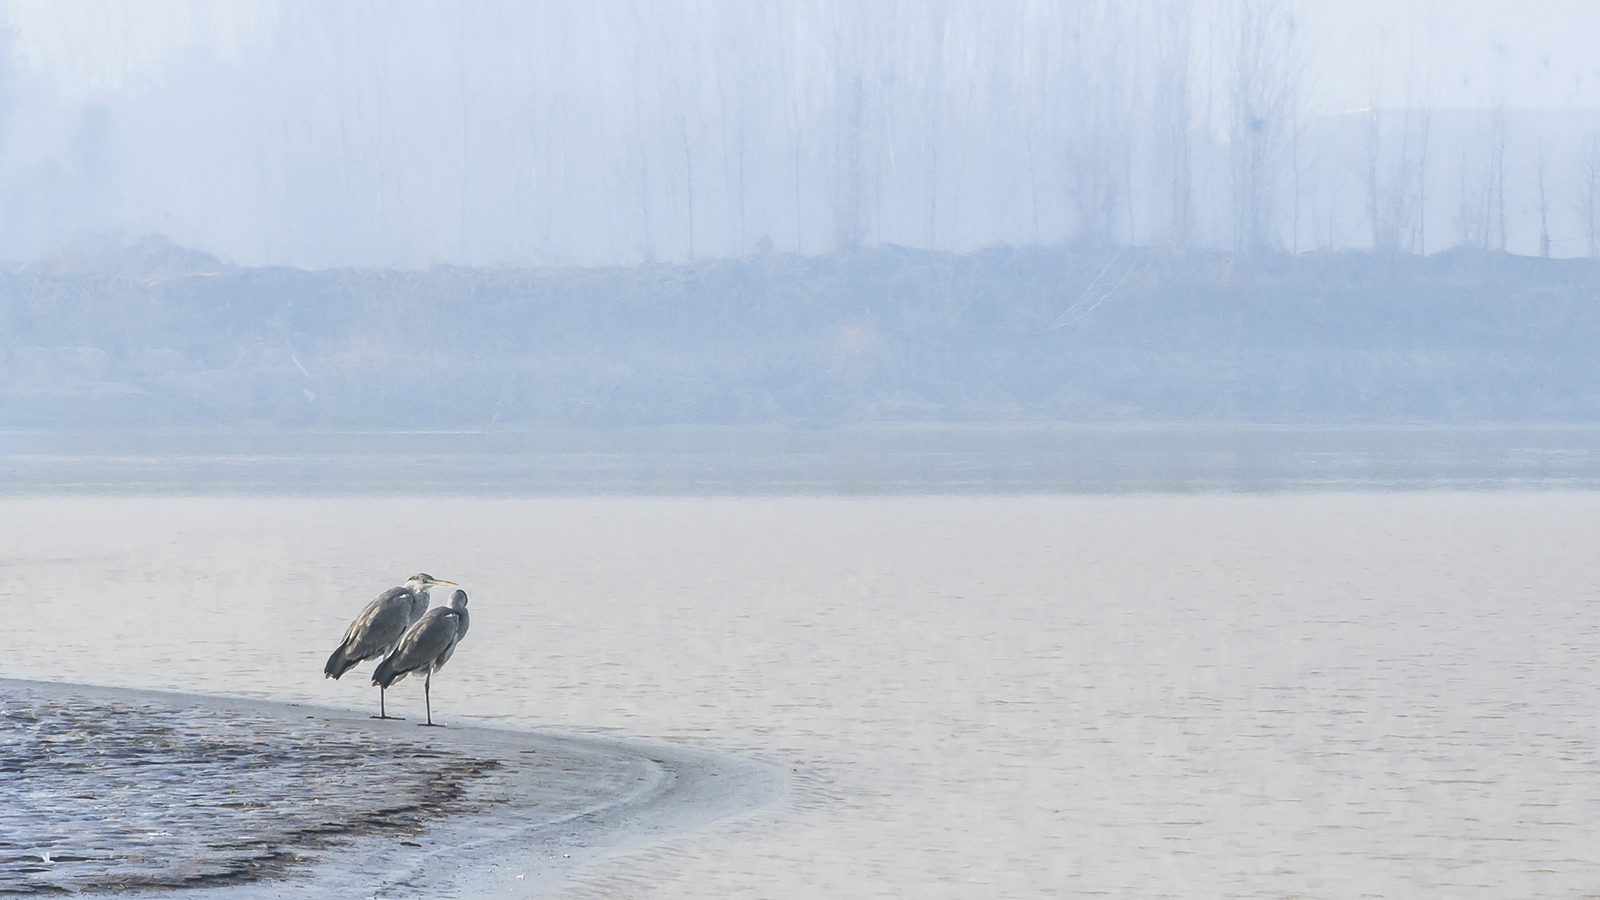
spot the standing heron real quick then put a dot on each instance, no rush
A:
(377, 631)
(426, 647)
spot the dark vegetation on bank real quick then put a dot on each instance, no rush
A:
(153, 335)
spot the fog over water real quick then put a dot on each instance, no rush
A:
(1135, 449)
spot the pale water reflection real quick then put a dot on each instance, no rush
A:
(1189, 696)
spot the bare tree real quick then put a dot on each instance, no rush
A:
(934, 113)
(1174, 115)
(1495, 179)
(1425, 116)
(1100, 99)
(791, 78)
(639, 79)
(1387, 175)
(1589, 182)
(847, 98)
(687, 142)
(1045, 41)
(1294, 173)
(1544, 206)
(734, 76)
(1495, 176)
(1396, 167)
(1265, 64)
(1470, 225)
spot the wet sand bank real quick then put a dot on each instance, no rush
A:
(105, 789)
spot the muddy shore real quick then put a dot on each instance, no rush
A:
(105, 789)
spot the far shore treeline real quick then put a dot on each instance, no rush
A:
(152, 335)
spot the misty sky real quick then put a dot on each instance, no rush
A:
(98, 49)
(410, 134)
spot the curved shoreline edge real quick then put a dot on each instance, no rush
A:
(554, 803)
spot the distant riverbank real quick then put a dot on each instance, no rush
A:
(153, 335)
(754, 460)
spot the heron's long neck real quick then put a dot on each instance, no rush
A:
(423, 600)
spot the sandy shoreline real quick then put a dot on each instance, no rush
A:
(406, 811)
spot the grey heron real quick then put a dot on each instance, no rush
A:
(426, 647)
(379, 627)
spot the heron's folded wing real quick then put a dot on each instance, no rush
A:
(380, 624)
(432, 635)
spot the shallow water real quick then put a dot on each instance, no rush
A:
(1135, 696)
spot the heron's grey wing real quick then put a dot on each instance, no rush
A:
(461, 632)
(358, 642)
(444, 656)
(380, 625)
(433, 634)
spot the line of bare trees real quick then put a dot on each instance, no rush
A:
(615, 131)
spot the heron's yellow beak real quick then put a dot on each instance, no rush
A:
(444, 583)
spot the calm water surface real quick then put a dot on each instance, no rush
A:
(1357, 694)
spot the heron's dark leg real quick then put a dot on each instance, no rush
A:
(381, 714)
(427, 699)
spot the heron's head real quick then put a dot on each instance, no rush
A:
(458, 600)
(423, 579)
